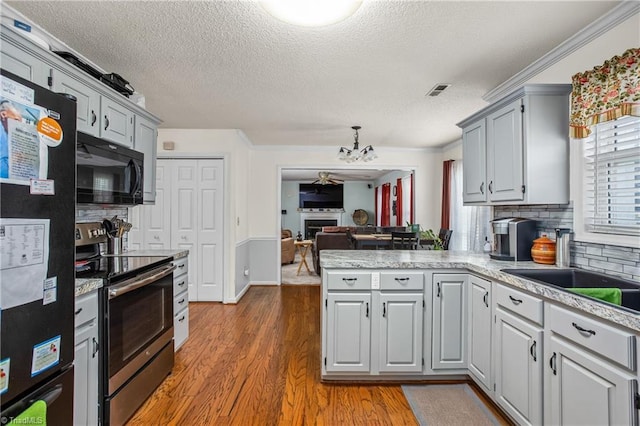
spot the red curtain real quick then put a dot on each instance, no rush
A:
(399, 202)
(377, 215)
(411, 197)
(446, 194)
(386, 211)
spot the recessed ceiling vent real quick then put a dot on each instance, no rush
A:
(437, 89)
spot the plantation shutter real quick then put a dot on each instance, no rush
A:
(612, 177)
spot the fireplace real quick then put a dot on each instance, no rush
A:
(311, 226)
(312, 220)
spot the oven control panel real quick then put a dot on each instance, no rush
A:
(90, 233)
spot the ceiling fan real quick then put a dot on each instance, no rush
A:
(325, 178)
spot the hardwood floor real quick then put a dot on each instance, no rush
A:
(258, 362)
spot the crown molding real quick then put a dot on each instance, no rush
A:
(615, 16)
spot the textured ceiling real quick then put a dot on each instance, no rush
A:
(228, 64)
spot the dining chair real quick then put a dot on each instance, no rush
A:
(405, 240)
(445, 237)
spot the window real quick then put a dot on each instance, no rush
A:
(471, 225)
(611, 177)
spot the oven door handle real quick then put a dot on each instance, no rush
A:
(135, 283)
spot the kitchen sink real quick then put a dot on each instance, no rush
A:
(578, 278)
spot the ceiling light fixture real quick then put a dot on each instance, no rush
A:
(311, 13)
(350, 155)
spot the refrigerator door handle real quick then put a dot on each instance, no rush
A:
(50, 396)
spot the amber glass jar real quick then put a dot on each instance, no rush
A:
(544, 250)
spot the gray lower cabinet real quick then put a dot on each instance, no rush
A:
(400, 346)
(373, 322)
(591, 374)
(449, 346)
(480, 330)
(86, 372)
(348, 332)
(518, 367)
(180, 302)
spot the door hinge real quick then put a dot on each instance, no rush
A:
(424, 305)
(521, 108)
(494, 387)
(523, 188)
(326, 303)
(50, 78)
(423, 362)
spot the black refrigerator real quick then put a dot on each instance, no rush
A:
(37, 217)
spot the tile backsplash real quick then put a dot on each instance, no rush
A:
(615, 260)
(98, 213)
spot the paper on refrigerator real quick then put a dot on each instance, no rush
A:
(24, 260)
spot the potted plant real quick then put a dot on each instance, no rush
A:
(426, 235)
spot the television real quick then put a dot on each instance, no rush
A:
(315, 196)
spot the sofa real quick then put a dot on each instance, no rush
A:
(337, 238)
(287, 247)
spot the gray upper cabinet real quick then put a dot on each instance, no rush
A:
(146, 135)
(23, 64)
(88, 101)
(516, 151)
(475, 165)
(102, 112)
(116, 122)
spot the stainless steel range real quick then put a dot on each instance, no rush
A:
(136, 322)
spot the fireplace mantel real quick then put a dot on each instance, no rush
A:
(316, 214)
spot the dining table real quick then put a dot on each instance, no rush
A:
(380, 242)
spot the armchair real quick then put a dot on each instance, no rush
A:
(287, 247)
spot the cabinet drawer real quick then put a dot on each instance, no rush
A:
(609, 342)
(180, 283)
(180, 301)
(180, 328)
(400, 280)
(523, 304)
(348, 280)
(182, 266)
(86, 308)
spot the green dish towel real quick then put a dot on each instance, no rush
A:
(36, 414)
(611, 295)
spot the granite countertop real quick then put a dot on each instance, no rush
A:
(87, 285)
(478, 263)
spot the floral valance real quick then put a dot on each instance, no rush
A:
(605, 93)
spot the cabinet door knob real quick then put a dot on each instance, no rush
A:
(552, 364)
(438, 290)
(78, 311)
(482, 188)
(486, 299)
(367, 311)
(491, 187)
(106, 122)
(384, 310)
(94, 117)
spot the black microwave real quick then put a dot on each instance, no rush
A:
(107, 173)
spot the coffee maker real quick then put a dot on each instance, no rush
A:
(514, 237)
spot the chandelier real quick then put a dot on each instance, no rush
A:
(350, 155)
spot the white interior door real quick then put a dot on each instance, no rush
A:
(184, 216)
(209, 229)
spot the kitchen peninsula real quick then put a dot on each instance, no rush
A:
(416, 315)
